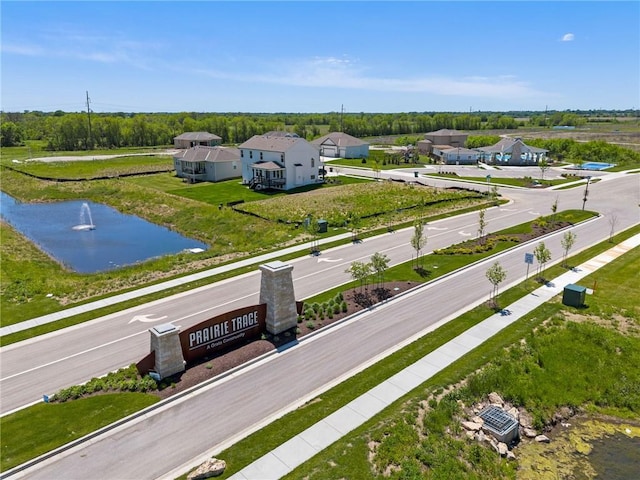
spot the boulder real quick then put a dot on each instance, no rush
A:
(542, 439)
(514, 412)
(495, 399)
(477, 419)
(211, 468)
(472, 426)
(480, 436)
(502, 449)
(511, 455)
(529, 432)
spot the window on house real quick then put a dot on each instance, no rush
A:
(282, 157)
(241, 153)
(313, 162)
(313, 177)
(250, 153)
(260, 155)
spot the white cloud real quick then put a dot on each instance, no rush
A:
(567, 37)
(28, 50)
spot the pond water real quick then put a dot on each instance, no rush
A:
(616, 457)
(90, 237)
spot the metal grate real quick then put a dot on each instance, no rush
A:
(497, 420)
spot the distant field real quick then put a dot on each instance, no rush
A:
(87, 169)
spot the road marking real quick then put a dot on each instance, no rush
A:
(437, 228)
(146, 319)
(533, 213)
(330, 260)
(72, 356)
(464, 234)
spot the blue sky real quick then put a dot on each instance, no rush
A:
(306, 56)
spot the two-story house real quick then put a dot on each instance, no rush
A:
(279, 160)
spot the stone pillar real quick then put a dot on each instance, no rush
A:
(276, 290)
(165, 342)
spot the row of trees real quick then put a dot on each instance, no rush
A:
(80, 131)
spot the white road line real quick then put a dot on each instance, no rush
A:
(72, 356)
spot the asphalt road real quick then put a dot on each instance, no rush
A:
(238, 403)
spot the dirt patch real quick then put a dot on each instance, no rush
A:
(356, 300)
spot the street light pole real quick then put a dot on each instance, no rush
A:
(586, 192)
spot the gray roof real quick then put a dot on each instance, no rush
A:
(506, 144)
(459, 150)
(197, 136)
(271, 142)
(201, 153)
(339, 138)
(446, 131)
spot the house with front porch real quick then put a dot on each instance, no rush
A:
(279, 160)
(207, 164)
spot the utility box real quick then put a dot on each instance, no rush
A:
(322, 226)
(573, 295)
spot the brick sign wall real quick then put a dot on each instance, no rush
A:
(223, 331)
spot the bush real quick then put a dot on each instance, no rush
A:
(343, 306)
(336, 309)
(310, 325)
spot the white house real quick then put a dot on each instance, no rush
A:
(341, 145)
(279, 160)
(208, 164)
(456, 155)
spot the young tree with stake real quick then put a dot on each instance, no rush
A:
(567, 241)
(419, 240)
(496, 275)
(543, 255)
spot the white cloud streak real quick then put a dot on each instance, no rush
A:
(567, 37)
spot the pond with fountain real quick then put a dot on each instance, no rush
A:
(89, 237)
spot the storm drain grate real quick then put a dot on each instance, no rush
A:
(499, 422)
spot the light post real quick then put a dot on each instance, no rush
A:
(488, 185)
(586, 192)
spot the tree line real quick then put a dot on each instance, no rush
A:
(82, 131)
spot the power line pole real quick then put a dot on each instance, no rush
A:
(89, 142)
(341, 114)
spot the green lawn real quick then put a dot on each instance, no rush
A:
(41, 428)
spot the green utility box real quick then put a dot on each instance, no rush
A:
(322, 226)
(573, 295)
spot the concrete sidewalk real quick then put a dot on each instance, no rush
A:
(302, 447)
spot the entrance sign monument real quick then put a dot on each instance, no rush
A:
(276, 290)
(165, 342)
(277, 312)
